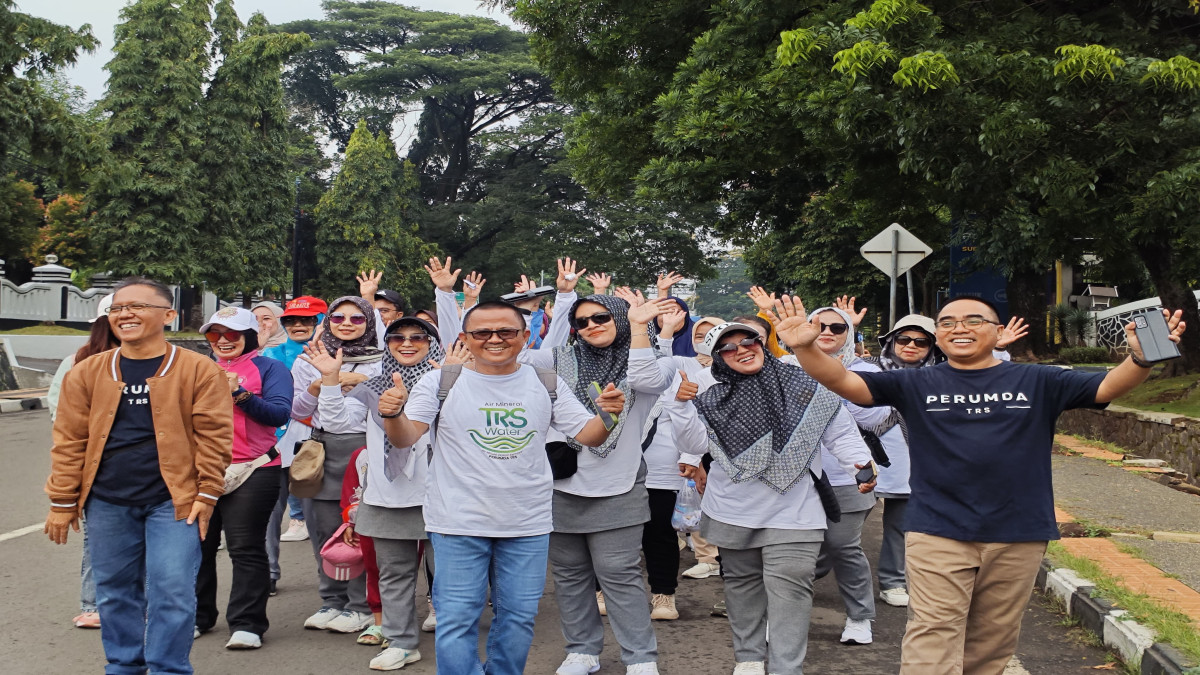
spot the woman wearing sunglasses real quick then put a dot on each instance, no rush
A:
(599, 512)
(345, 355)
(763, 506)
(262, 395)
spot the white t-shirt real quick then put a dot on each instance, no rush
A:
(489, 476)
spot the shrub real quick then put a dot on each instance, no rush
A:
(1085, 355)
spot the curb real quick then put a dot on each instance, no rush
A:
(1131, 640)
(24, 404)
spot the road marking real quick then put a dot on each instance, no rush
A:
(21, 532)
(1014, 667)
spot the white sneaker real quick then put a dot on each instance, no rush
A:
(320, 620)
(702, 571)
(350, 622)
(663, 607)
(243, 639)
(750, 668)
(896, 597)
(297, 531)
(430, 623)
(649, 668)
(857, 632)
(578, 664)
(600, 603)
(394, 658)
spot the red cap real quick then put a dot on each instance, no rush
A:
(305, 305)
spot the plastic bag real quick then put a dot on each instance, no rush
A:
(686, 517)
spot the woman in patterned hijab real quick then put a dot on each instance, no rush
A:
(350, 327)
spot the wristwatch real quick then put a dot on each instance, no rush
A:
(1138, 362)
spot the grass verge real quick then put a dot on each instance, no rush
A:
(1172, 627)
(44, 330)
(1178, 395)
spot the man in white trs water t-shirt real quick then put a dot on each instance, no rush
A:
(490, 488)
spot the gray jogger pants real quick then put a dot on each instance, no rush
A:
(324, 517)
(842, 552)
(398, 568)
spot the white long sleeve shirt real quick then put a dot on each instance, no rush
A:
(331, 411)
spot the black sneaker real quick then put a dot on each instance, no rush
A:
(274, 591)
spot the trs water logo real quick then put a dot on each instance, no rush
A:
(502, 434)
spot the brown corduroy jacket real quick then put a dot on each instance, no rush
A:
(193, 422)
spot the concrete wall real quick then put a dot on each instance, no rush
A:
(1165, 436)
(46, 347)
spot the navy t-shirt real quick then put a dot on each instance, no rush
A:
(129, 473)
(980, 443)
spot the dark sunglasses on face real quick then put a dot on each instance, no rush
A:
(216, 335)
(733, 346)
(835, 328)
(419, 338)
(905, 340)
(301, 320)
(356, 319)
(599, 318)
(485, 335)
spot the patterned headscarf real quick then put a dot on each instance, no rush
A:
(369, 391)
(362, 349)
(582, 364)
(768, 425)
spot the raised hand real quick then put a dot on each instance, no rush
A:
(525, 284)
(318, 357)
(1015, 330)
(792, 324)
(666, 281)
(646, 312)
(568, 276)
(368, 283)
(687, 389)
(762, 299)
(626, 293)
(392, 401)
(441, 276)
(473, 286)
(846, 304)
(673, 320)
(1175, 324)
(611, 400)
(458, 354)
(600, 282)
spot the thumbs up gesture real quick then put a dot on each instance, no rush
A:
(687, 389)
(611, 400)
(391, 402)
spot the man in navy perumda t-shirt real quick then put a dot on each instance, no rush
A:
(980, 432)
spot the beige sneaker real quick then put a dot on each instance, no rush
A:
(430, 623)
(663, 607)
(600, 603)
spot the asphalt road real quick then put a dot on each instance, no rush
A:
(40, 586)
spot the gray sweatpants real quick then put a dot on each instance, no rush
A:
(891, 554)
(610, 557)
(398, 568)
(842, 552)
(324, 517)
(773, 583)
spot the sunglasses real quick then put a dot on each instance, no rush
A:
(419, 338)
(485, 335)
(835, 328)
(599, 318)
(733, 346)
(302, 320)
(356, 319)
(905, 340)
(215, 336)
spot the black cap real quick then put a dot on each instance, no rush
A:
(393, 297)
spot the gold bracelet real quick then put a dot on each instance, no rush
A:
(633, 335)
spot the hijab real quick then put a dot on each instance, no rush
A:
(362, 349)
(888, 360)
(766, 426)
(846, 354)
(705, 361)
(280, 335)
(581, 364)
(682, 344)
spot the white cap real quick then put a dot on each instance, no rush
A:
(102, 308)
(237, 318)
(706, 347)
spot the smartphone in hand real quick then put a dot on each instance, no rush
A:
(867, 473)
(1154, 335)
(609, 419)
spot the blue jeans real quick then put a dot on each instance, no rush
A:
(87, 585)
(145, 564)
(516, 567)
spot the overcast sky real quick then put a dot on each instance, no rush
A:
(103, 16)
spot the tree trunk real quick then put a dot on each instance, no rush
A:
(1174, 293)
(1027, 299)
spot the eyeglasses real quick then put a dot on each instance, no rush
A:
(302, 320)
(356, 319)
(485, 335)
(835, 328)
(136, 308)
(733, 346)
(969, 322)
(419, 338)
(919, 342)
(215, 336)
(599, 318)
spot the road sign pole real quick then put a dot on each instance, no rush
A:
(908, 281)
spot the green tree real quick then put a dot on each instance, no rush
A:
(364, 222)
(725, 295)
(21, 214)
(66, 235)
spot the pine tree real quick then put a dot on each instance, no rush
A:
(363, 221)
(148, 200)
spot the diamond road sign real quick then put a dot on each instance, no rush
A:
(897, 241)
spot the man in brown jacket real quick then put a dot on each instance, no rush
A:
(141, 442)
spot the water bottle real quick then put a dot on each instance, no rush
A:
(686, 517)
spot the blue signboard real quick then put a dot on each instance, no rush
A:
(968, 278)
